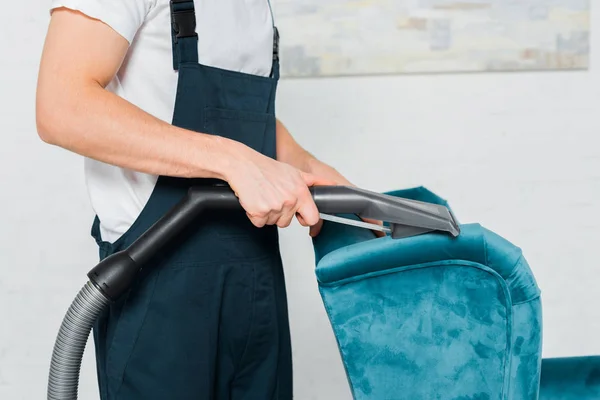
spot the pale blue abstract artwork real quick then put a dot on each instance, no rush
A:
(357, 37)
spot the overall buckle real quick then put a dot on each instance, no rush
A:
(275, 44)
(184, 21)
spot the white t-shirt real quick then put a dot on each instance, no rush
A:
(232, 34)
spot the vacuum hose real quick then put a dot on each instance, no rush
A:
(113, 276)
(71, 341)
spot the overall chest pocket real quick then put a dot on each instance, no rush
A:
(246, 127)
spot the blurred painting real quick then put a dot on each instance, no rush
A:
(348, 37)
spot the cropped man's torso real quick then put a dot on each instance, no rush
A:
(234, 35)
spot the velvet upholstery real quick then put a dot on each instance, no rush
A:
(570, 378)
(431, 317)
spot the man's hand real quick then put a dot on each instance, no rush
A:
(289, 151)
(272, 192)
(327, 172)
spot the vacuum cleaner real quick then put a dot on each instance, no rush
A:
(114, 275)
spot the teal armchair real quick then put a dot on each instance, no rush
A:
(436, 317)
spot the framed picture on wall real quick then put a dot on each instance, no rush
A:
(357, 37)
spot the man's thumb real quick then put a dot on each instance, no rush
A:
(313, 180)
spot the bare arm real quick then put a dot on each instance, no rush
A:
(75, 111)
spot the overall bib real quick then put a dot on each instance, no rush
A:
(207, 320)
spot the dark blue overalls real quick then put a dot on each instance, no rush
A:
(208, 319)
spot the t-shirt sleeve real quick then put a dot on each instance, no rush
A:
(124, 16)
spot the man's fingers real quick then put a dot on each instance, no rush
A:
(259, 222)
(375, 222)
(273, 218)
(301, 220)
(372, 221)
(285, 220)
(309, 216)
(316, 229)
(308, 212)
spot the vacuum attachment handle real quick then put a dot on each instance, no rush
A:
(115, 274)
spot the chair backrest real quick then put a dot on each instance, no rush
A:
(431, 316)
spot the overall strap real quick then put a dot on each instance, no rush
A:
(275, 65)
(183, 32)
(275, 44)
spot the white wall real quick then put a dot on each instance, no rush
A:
(517, 152)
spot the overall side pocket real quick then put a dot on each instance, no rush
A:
(128, 326)
(242, 126)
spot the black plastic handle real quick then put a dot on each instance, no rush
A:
(115, 274)
(197, 201)
(328, 199)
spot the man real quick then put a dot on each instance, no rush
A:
(160, 96)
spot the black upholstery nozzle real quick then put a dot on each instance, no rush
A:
(406, 217)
